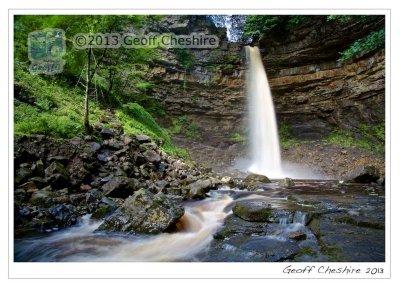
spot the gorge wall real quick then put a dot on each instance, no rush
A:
(313, 92)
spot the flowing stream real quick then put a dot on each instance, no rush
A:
(82, 243)
(264, 140)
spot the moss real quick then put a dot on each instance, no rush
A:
(182, 125)
(307, 251)
(136, 120)
(367, 137)
(371, 42)
(286, 138)
(352, 221)
(238, 138)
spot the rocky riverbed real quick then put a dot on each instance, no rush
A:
(300, 221)
(116, 176)
(114, 197)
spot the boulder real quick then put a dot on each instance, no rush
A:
(22, 174)
(141, 138)
(286, 182)
(363, 174)
(61, 159)
(253, 211)
(92, 147)
(200, 188)
(297, 236)
(39, 182)
(41, 198)
(120, 187)
(94, 196)
(152, 157)
(56, 175)
(107, 133)
(63, 214)
(256, 178)
(144, 213)
(29, 186)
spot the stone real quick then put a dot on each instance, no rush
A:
(106, 133)
(141, 138)
(22, 174)
(93, 146)
(127, 140)
(363, 174)
(39, 182)
(200, 188)
(120, 187)
(64, 214)
(41, 197)
(76, 199)
(29, 186)
(61, 159)
(103, 155)
(94, 195)
(152, 156)
(297, 236)
(253, 211)
(103, 211)
(227, 180)
(144, 213)
(256, 178)
(85, 187)
(286, 182)
(38, 167)
(57, 175)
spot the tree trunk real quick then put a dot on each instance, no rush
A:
(88, 79)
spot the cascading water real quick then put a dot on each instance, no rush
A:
(264, 140)
(81, 243)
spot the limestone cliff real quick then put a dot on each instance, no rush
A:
(313, 92)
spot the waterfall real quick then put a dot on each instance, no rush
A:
(264, 141)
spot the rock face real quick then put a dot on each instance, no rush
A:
(313, 92)
(144, 213)
(363, 174)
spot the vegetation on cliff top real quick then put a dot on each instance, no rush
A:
(54, 105)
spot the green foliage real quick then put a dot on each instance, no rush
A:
(371, 42)
(350, 18)
(286, 138)
(184, 126)
(298, 19)
(136, 120)
(144, 86)
(185, 58)
(43, 106)
(257, 24)
(368, 137)
(238, 138)
(195, 99)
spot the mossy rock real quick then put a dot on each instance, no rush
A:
(253, 211)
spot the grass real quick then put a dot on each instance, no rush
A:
(182, 125)
(371, 42)
(44, 106)
(367, 137)
(136, 120)
(238, 138)
(286, 138)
